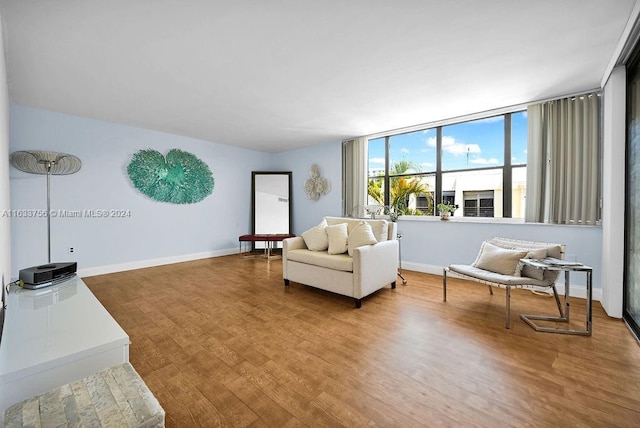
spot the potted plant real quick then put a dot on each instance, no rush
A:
(392, 212)
(446, 210)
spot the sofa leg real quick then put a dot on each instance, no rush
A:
(358, 303)
(286, 282)
(393, 285)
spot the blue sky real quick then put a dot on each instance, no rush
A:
(465, 145)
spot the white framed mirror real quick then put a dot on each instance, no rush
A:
(271, 202)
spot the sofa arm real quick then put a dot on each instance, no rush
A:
(295, 243)
(375, 266)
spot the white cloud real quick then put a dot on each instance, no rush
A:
(426, 164)
(376, 160)
(483, 161)
(450, 145)
(404, 150)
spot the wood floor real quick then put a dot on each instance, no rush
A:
(221, 342)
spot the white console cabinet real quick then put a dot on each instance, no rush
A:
(55, 336)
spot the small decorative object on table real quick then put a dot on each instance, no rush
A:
(446, 210)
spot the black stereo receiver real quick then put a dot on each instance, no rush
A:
(49, 274)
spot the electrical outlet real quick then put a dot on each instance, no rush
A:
(71, 250)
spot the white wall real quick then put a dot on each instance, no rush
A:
(156, 232)
(613, 191)
(5, 224)
(328, 157)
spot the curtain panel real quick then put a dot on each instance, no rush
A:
(563, 161)
(354, 177)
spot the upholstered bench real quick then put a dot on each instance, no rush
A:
(115, 397)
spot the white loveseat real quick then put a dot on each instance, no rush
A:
(368, 269)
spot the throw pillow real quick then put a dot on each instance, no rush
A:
(360, 235)
(316, 238)
(498, 260)
(337, 235)
(529, 271)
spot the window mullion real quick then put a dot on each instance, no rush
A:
(507, 175)
(438, 192)
(387, 181)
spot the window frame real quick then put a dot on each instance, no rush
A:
(506, 167)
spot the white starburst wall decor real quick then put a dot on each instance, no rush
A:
(316, 185)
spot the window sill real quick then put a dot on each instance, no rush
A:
(480, 220)
(454, 219)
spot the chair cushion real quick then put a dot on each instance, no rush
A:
(360, 235)
(498, 260)
(530, 271)
(496, 278)
(553, 250)
(338, 236)
(316, 238)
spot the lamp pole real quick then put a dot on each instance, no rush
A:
(48, 164)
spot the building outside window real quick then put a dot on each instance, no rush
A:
(451, 164)
(478, 204)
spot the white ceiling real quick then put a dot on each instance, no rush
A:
(282, 74)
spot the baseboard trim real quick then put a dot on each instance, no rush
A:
(577, 290)
(122, 267)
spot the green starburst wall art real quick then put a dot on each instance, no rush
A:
(178, 178)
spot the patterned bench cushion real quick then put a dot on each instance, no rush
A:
(115, 397)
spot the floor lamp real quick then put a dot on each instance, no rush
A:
(46, 163)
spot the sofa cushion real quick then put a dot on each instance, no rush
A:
(337, 235)
(316, 238)
(499, 260)
(379, 227)
(360, 235)
(340, 262)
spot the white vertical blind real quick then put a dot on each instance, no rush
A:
(354, 176)
(563, 161)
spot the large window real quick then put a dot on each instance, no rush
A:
(467, 164)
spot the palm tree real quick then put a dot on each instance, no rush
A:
(400, 189)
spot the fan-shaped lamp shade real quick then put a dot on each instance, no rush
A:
(42, 162)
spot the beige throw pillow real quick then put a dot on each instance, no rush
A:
(498, 260)
(360, 235)
(316, 238)
(529, 271)
(337, 238)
